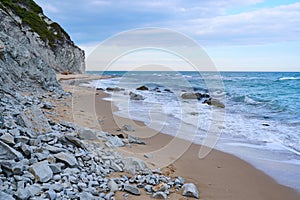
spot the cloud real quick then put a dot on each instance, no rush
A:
(266, 25)
(207, 21)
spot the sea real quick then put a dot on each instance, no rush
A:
(259, 124)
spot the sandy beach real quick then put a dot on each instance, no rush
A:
(217, 176)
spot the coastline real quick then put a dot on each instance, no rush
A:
(218, 176)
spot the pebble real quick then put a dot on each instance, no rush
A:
(131, 189)
(159, 195)
(51, 194)
(56, 177)
(113, 186)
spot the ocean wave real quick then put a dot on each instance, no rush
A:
(289, 78)
(251, 101)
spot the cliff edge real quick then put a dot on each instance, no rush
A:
(33, 48)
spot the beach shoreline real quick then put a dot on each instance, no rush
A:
(218, 176)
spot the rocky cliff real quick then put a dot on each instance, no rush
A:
(33, 48)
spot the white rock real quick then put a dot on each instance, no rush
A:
(41, 171)
(113, 186)
(190, 190)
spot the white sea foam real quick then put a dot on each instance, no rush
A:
(251, 101)
(289, 78)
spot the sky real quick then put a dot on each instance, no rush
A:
(238, 35)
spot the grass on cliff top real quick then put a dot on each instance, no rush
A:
(30, 12)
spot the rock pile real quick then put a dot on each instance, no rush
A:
(43, 159)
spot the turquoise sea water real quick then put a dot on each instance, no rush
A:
(261, 123)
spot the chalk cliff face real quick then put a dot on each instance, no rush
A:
(33, 48)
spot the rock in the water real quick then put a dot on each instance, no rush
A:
(159, 195)
(214, 102)
(115, 89)
(137, 97)
(190, 190)
(41, 171)
(67, 158)
(87, 134)
(35, 120)
(197, 95)
(114, 142)
(6, 196)
(133, 165)
(142, 88)
(132, 189)
(8, 153)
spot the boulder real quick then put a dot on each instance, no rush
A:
(113, 186)
(115, 89)
(23, 194)
(190, 190)
(137, 97)
(133, 165)
(41, 171)
(114, 142)
(142, 88)
(134, 140)
(159, 195)
(34, 119)
(87, 134)
(11, 167)
(75, 141)
(6, 196)
(197, 95)
(162, 187)
(8, 139)
(214, 102)
(131, 189)
(66, 158)
(51, 194)
(34, 189)
(8, 153)
(128, 128)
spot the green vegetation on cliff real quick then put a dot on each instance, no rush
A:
(32, 15)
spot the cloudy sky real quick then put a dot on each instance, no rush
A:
(243, 35)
